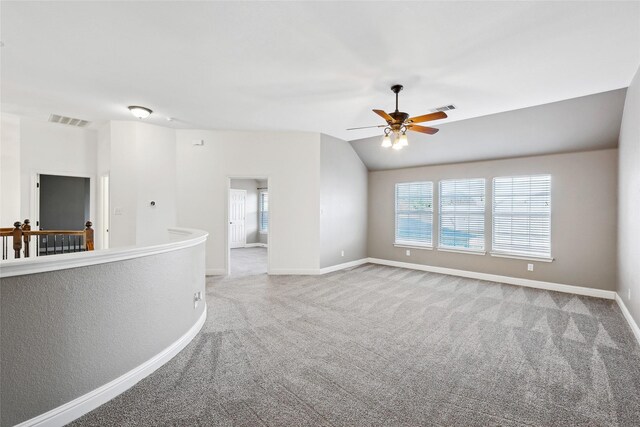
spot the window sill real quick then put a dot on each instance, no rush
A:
(263, 232)
(410, 246)
(524, 257)
(463, 251)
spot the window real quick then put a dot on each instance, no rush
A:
(264, 211)
(462, 214)
(522, 216)
(414, 213)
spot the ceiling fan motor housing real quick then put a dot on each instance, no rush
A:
(398, 119)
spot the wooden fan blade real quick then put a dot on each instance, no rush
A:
(368, 127)
(427, 117)
(422, 129)
(384, 115)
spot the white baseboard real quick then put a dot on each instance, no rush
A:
(293, 271)
(70, 411)
(550, 286)
(317, 271)
(255, 245)
(627, 315)
(215, 272)
(342, 266)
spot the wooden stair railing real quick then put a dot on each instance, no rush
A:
(20, 235)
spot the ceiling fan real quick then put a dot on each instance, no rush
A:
(398, 123)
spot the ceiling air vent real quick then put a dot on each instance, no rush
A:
(54, 118)
(444, 108)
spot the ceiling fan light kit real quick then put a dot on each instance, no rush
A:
(398, 123)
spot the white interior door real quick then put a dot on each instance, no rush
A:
(237, 234)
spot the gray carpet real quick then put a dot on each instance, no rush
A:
(375, 346)
(248, 261)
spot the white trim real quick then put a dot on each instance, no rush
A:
(254, 245)
(215, 272)
(627, 315)
(87, 402)
(293, 271)
(525, 257)
(550, 286)
(463, 251)
(402, 245)
(318, 271)
(19, 267)
(342, 266)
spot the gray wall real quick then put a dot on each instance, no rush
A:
(583, 219)
(251, 207)
(629, 208)
(343, 203)
(67, 332)
(64, 202)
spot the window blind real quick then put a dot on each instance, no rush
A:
(462, 213)
(522, 215)
(414, 213)
(264, 211)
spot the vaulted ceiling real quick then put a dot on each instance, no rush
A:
(311, 66)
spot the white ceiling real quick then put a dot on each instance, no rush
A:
(312, 66)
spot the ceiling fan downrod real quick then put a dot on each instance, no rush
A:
(396, 89)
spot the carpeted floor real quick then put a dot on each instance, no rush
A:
(248, 261)
(375, 346)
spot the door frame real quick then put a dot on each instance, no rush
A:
(105, 213)
(227, 252)
(244, 219)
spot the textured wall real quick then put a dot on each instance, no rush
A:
(9, 170)
(583, 217)
(343, 203)
(142, 168)
(67, 332)
(629, 208)
(55, 149)
(291, 162)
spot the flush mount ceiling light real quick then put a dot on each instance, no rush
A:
(398, 123)
(139, 112)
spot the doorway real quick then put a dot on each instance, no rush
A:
(247, 235)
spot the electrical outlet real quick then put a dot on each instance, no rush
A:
(530, 267)
(341, 253)
(197, 297)
(408, 252)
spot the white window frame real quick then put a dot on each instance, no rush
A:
(412, 243)
(261, 212)
(459, 249)
(514, 254)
